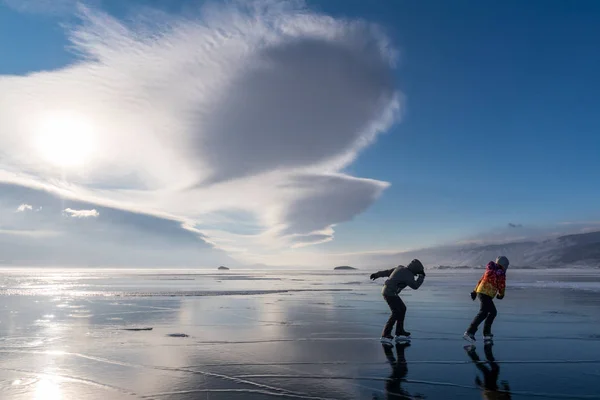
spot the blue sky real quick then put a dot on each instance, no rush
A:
(498, 122)
(501, 121)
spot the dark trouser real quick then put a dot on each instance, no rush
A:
(487, 312)
(398, 313)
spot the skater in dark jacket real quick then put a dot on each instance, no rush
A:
(492, 284)
(399, 278)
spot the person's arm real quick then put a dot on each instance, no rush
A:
(382, 274)
(474, 292)
(478, 283)
(501, 286)
(416, 284)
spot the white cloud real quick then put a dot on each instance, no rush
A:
(81, 213)
(24, 207)
(116, 238)
(254, 109)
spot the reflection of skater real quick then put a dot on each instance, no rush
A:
(399, 278)
(489, 385)
(393, 386)
(491, 283)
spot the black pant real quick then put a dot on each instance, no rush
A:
(398, 313)
(487, 312)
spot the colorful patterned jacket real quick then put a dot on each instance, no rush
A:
(493, 281)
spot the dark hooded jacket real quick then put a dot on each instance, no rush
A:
(401, 277)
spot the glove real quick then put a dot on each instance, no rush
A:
(473, 295)
(423, 273)
(373, 277)
(500, 297)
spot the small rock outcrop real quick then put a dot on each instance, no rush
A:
(222, 268)
(344, 268)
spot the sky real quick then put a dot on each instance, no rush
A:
(189, 133)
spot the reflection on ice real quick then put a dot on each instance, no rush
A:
(489, 385)
(271, 336)
(393, 385)
(47, 388)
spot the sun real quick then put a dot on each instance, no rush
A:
(65, 140)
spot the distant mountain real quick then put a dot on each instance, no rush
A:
(570, 250)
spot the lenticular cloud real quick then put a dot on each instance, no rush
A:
(253, 109)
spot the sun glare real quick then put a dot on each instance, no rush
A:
(47, 388)
(65, 140)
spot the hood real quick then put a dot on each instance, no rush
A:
(416, 267)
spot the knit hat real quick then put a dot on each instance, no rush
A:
(503, 262)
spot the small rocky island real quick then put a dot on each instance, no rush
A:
(344, 268)
(222, 268)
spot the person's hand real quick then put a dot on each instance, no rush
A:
(473, 295)
(373, 277)
(500, 297)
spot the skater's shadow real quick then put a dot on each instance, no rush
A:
(393, 385)
(491, 389)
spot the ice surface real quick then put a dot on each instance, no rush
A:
(306, 335)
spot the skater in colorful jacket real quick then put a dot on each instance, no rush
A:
(399, 278)
(492, 284)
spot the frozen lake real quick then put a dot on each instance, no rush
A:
(312, 335)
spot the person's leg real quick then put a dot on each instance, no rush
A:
(487, 326)
(400, 314)
(389, 325)
(484, 309)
